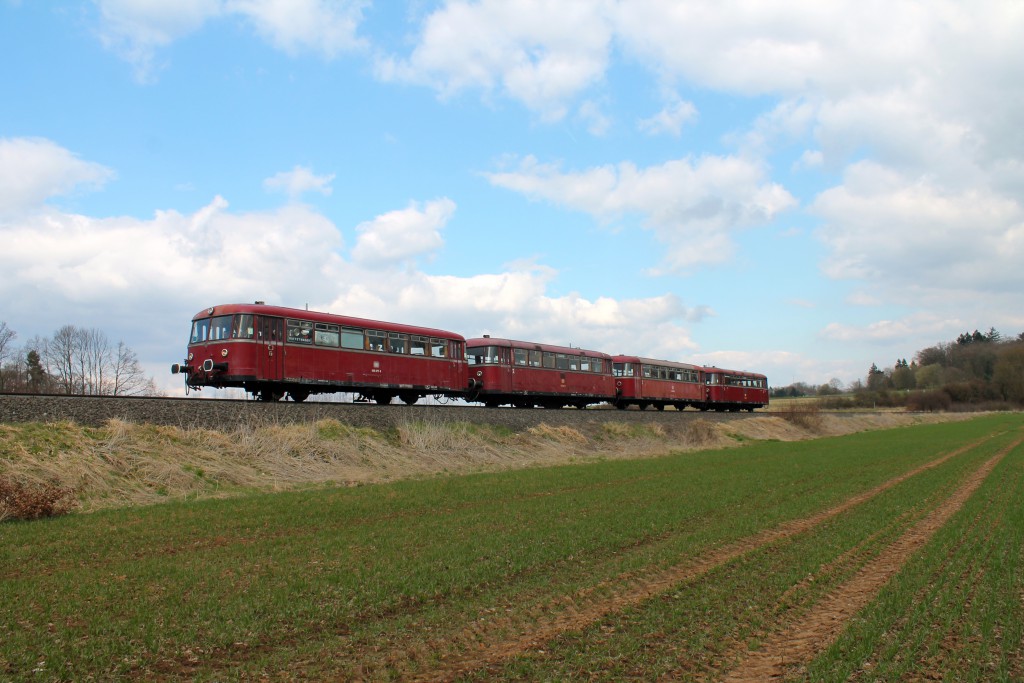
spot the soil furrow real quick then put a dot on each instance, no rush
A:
(478, 647)
(800, 642)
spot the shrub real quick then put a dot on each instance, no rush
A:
(929, 401)
(972, 391)
(807, 416)
(33, 501)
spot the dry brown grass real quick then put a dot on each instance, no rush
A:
(124, 463)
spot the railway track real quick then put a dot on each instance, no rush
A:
(232, 413)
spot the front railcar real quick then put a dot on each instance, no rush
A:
(272, 351)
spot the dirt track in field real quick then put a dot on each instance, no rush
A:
(801, 641)
(483, 645)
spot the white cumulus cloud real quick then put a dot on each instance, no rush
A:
(399, 236)
(542, 53)
(33, 170)
(298, 181)
(691, 205)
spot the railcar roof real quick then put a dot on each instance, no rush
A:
(316, 316)
(655, 361)
(534, 346)
(740, 373)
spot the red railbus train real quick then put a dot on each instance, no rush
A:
(525, 374)
(270, 351)
(647, 382)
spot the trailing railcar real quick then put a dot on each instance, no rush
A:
(271, 351)
(645, 382)
(734, 389)
(526, 374)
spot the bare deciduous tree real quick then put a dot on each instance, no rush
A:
(83, 361)
(129, 378)
(7, 335)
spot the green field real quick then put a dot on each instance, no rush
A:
(683, 566)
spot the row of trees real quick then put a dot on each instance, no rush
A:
(976, 368)
(74, 361)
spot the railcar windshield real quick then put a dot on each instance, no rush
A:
(483, 355)
(211, 329)
(222, 327)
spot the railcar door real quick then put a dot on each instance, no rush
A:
(270, 348)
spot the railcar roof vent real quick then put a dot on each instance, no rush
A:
(260, 303)
(487, 336)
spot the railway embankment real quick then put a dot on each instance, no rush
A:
(95, 411)
(112, 452)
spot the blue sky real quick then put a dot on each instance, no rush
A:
(800, 190)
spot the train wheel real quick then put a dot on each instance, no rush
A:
(659, 406)
(621, 406)
(271, 395)
(409, 399)
(382, 398)
(643, 406)
(299, 395)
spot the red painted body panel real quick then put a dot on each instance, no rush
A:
(639, 382)
(517, 372)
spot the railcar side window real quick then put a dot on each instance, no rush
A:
(536, 359)
(326, 335)
(519, 356)
(584, 364)
(457, 351)
(376, 340)
(439, 348)
(398, 342)
(549, 359)
(352, 338)
(242, 328)
(418, 346)
(300, 331)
